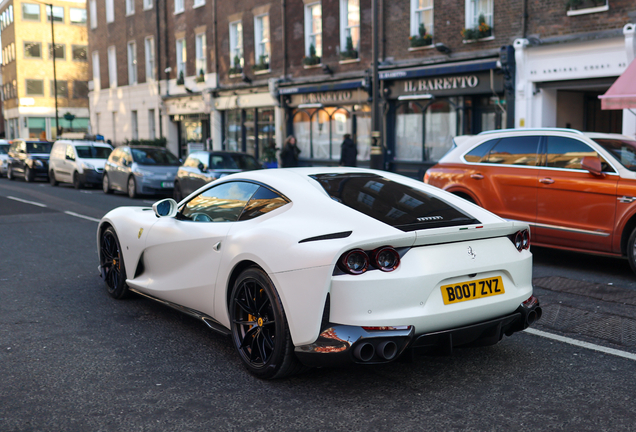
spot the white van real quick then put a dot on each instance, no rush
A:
(79, 162)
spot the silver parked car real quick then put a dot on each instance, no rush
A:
(140, 171)
(202, 167)
(4, 157)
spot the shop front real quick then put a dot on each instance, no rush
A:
(190, 121)
(426, 108)
(319, 116)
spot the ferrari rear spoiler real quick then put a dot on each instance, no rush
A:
(467, 232)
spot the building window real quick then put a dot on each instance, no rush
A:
(181, 59)
(112, 67)
(422, 19)
(313, 30)
(132, 63)
(349, 28)
(110, 11)
(34, 87)
(30, 12)
(261, 42)
(476, 9)
(198, 3)
(80, 90)
(135, 125)
(130, 7)
(77, 16)
(149, 44)
(236, 47)
(152, 132)
(60, 51)
(178, 6)
(58, 14)
(147, 4)
(80, 52)
(32, 50)
(200, 47)
(93, 8)
(96, 77)
(62, 88)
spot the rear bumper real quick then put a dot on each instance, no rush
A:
(340, 345)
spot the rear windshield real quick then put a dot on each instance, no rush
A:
(38, 147)
(393, 203)
(153, 156)
(91, 152)
(233, 162)
(624, 151)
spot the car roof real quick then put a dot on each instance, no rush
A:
(84, 143)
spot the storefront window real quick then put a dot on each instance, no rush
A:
(232, 130)
(340, 125)
(249, 130)
(320, 134)
(408, 134)
(250, 133)
(301, 132)
(441, 128)
(37, 127)
(266, 132)
(363, 131)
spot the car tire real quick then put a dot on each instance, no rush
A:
(259, 328)
(176, 193)
(111, 260)
(52, 179)
(10, 175)
(77, 184)
(631, 250)
(28, 175)
(106, 185)
(132, 187)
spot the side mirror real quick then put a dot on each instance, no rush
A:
(165, 208)
(593, 165)
(201, 167)
(69, 157)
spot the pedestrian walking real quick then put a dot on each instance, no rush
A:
(289, 153)
(348, 152)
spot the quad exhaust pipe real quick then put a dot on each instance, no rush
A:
(380, 350)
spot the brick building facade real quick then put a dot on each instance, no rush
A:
(256, 71)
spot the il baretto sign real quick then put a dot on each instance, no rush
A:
(454, 85)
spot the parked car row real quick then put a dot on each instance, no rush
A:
(576, 190)
(134, 170)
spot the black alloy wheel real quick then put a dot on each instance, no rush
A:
(52, 179)
(631, 250)
(132, 187)
(176, 193)
(77, 184)
(259, 328)
(106, 184)
(111, 261)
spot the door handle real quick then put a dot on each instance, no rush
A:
(477, 176)
(546, 180)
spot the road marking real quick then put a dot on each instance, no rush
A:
(582, 344)
(27, 202)
(81, 216)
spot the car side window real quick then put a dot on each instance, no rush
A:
(263, 201)
(221, 203)
(568, 153)
(480, 153)
(114, 156)
(70, 152)
(191, 162)
(520, 150)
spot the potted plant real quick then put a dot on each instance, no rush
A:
(349, 53)
(423, 39)
(236, 69)
(180, 79)
(312, 59)
(483, 30)
(263, 63)
(269, 156)
(201, 76)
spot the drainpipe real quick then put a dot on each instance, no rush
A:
(284, 23)
(158, 66)
(165, 22)
(524, 19)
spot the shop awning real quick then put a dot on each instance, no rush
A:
(622, 94)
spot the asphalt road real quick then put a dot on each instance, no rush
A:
(74, 359)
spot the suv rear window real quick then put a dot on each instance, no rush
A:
(393, 203)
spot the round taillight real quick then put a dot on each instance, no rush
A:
(386, 258)
(355, 262)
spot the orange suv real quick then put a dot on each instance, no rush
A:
(576, 190)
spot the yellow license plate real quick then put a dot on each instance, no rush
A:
(464, 291)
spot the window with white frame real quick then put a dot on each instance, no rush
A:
(181, 58)
(350, 27)
(149, 44)
(200, 48)
(93, 9)
(421, 14)
(110, 11)
(96, 76)
(147, 4)
(198, 3)
(261, 41)
(179, 6)
(236, 46)
(152, 129)
(112, 67)
(130, 7)
(476, 9)
(132, 63)
(313, 29)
